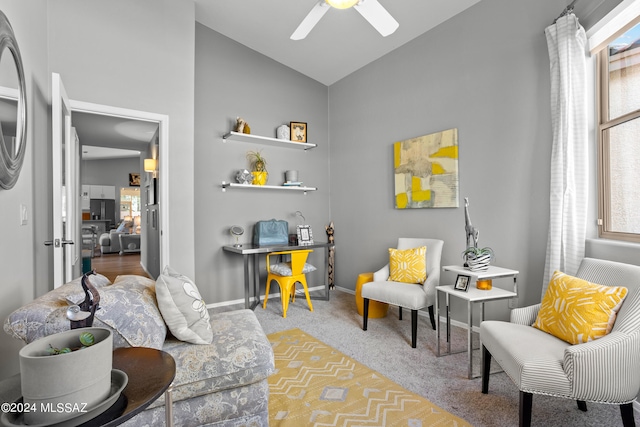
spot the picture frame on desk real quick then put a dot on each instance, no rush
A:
(305, 235)
(462, 283)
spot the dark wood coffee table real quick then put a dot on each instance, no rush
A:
(150, 374)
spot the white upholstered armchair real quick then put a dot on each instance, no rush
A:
(606, 370)
(408, 295)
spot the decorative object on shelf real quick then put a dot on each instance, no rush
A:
(305, 235)
(244, 177)
(424, 164)
(477, 259)
(242, 126)
(12, 149)
(298, 131)
(236, 231)
(332, 253)
(134, 180)
(484, 284)
(462, 283)
(472, 233)
(283, 132)
(81, 379)
(291, 176)
(258, 167)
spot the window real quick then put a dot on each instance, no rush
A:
(129, 202)
(618, 74)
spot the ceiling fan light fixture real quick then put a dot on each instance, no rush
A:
(342, 4)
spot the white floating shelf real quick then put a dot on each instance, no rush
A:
(274, 142)
(226, 185)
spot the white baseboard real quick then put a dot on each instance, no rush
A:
(241, 301)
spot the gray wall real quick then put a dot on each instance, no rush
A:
(231, 81)
(486, 76)
(19, 248)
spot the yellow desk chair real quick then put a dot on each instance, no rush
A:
(287, 274)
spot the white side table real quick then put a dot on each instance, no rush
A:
(472, 295)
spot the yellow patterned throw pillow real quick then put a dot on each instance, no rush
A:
(408, 265)
(577, 311)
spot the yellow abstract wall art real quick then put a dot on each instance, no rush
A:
(426, 171)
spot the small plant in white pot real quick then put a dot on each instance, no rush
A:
(477, 259)
(258, 166)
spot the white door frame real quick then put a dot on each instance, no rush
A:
(163, 166)
(64, 217)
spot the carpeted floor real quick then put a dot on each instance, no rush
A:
(386, 348)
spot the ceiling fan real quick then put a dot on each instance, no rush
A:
(371, 10)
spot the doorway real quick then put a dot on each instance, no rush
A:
(153, 211)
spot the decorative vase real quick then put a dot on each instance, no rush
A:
(260, 178)
(291, 176)
(479, 262)
(484, 284)
(65, 385)
(283, 132)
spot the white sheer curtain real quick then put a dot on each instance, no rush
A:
(567, 42)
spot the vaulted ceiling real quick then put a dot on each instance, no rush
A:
(342, 41)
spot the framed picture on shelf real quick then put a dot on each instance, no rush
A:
(305, 236)
(462, 283)
(298, 131)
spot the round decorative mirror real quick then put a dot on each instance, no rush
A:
(13, 107)
(237, 231)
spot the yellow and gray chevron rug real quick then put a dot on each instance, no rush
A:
(316, 385)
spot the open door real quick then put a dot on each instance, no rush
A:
(66, 259)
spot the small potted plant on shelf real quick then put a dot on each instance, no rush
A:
(258, 167)
(477, 259)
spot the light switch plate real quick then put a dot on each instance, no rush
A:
(24, 215)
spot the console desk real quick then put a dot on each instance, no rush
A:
(252, 252)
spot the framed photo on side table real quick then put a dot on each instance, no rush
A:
(298, 131)
(305, 236)
(462, 283)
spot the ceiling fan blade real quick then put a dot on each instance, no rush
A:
(377, 16)
(310, 20)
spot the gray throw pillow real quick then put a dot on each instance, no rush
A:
(129, 307)
(182, 307)
(284, 269)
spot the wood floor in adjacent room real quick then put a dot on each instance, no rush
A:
(112, 265)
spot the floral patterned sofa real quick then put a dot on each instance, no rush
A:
(219, 384)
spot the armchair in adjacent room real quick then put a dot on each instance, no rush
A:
(393, 286)
(582, 362)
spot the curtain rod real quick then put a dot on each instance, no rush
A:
(567, 10)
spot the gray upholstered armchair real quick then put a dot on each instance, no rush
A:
(606, 370)
(407, 295)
